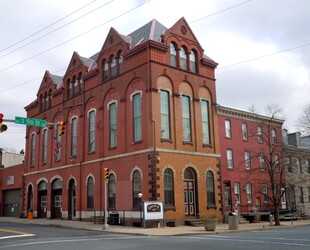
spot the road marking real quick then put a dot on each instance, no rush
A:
(246, 240)
(71, 240)
(14, 232)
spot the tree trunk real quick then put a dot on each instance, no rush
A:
(276, 215)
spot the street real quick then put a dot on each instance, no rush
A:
(21, 236)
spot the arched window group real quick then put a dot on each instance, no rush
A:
(74, 86)
(183, 58)
(46, 100)
(113, 66)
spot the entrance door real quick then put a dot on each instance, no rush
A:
(189, 193)
(227, 196)
(72, 200)
(42, 199)
(56, 212)
(283, 199)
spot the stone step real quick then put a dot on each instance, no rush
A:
(194, 222)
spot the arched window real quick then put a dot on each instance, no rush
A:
(205, 122)
(32, 149)
(57, 184)
(120, 62)
(44, 146)
(112, 191)
(69, 88)
(173, 55)
(73, 136)
(136, 187)
(113, 66)
(42, 102)
(169, 188)
(193, 61)
(46, 101)
(76, 86)
(112, 124)
(136, 106)
(105, 68)
(210, 189)
(186, 118)
(90, 193)
(92, 131)
(80, 80)
(165, 114)
(183, 58)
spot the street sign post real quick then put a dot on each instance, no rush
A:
(30, 121)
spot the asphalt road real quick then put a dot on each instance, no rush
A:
(21, 236)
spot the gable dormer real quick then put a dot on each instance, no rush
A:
(73, 78)
(186, 52)
(48, 85)
(110, 58)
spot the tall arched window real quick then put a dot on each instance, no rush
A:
(46, 101)
(112, 191)
(75, 86)
(32, 149)
(205, 122)
(105, 68)
(173, 55)
(92, 131)
(73, 136)
(69, 88)
(210, 189)
(169, 188)
(44, 146)
(183, 58)
(113, 66)
(186, 118)
(165, 114)
(136, 188)
(112, 123)
(136, 106)
(80, 82)
(90, 193)
(193, 61)
(120, 62)
(42, 102)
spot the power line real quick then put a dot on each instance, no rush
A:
(55, 29)
(10, 46)
(231, 7)
(264, 56)
(73, 38)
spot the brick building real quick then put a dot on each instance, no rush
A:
(11, 179)
(143, 106)
(247, 140)
(297, 153)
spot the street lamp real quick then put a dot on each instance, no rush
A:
(140, 197)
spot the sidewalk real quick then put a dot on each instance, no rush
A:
(163, 231)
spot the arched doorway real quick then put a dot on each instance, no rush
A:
(42, 199)
(30, 198)
(190, 193)
(72, 200)
(56, 199)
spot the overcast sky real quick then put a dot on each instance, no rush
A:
(262, 47)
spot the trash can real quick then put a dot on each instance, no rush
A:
(30, 214)
(233, 221)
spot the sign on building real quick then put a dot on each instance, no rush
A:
(153, 211)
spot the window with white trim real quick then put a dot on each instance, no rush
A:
(165, 114)
(205, 122)
(92, 131)
(230, 159)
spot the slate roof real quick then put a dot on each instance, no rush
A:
(56, 79)
(150, 31)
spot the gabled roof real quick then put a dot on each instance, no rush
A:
(150, 31)
(56, 79)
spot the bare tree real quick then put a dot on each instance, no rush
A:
(304, 121)
(271, 158)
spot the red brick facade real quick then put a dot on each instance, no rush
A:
(124, 143)
(242, 145)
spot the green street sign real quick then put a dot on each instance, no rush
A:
(30, 121)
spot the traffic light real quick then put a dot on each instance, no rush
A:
(61, 128)
(106, 172)
(3, 127)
